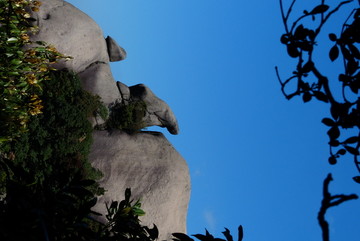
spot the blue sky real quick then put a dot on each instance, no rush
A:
(255, 158)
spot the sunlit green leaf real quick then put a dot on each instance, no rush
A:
(12, 40)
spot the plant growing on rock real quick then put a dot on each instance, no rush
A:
(23, 66)
(127, 117)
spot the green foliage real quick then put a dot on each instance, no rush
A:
(47, 185)
(127, 117)
(123, 222)
(22, 68)
(50, 185)
(62, 135)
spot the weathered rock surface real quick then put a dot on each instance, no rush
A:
(98, 79)
(158, 112)
(153, 169)
(116, 53)
(72, 32)
(75, 34)
(146, 162)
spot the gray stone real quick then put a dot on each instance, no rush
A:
(116, 53)
(98, 79)
(72, 32)
(124, 91)
(158, 112)
(75, 34)
(152, 168)
(145, 162)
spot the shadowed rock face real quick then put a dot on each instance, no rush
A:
(146, 162)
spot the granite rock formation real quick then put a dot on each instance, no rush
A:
(75, 34)
(146, 162)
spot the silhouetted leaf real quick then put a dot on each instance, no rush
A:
(300, 32)
(127, 194)
(308, 66)
(335, 110)
(203, 237)
(311, 35)
(354, 50)
(153, 232)
(332, 37)
(334, 53)
(341, 152)
(306, 97)
(343, 78)
(334, 133)
(334, 143)
(284, 38)
(352, 150)
(346, 53)
(292, 51)
(354, 87)
(332, 160)
(91, 203)
(321, 96)
(357, 179)
(328, 122)
(114, 205)
(352, 66)
(227, 235)
(320, 9)
(241, 233)
(352, 140)
(181, 237)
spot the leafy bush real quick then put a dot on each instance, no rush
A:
(22, 68)
(127, 117)
(62, 135)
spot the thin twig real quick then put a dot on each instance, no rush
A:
(325, 83)
(317, 31)
(285, 18)
(283, 84)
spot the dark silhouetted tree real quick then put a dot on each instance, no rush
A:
(311, 82)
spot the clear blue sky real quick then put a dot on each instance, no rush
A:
(255, 159)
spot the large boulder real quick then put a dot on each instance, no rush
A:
(115, 51)
(72, 32)
(145, 162)
(75, 34)
(152, 168)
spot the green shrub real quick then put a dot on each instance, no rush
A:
(127, 117)
(62, 135)
(22, 68)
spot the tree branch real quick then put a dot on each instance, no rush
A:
(328, 202)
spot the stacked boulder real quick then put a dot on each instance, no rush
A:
(145, 162)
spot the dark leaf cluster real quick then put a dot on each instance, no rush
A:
(209, 237)
(128, 117)
(310, 81)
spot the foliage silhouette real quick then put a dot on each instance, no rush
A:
(311, 83)
(208, 236)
